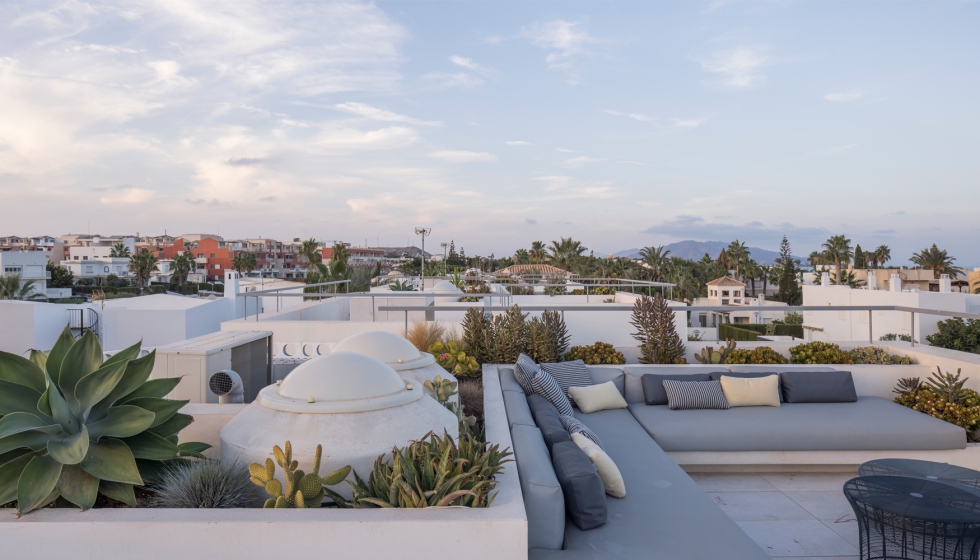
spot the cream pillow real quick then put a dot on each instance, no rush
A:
(604, 396)
(751, 391)
(612, 480)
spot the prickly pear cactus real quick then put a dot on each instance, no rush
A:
(303, 490)
(708, 355)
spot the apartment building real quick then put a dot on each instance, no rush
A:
(359, 256)
(29, 265)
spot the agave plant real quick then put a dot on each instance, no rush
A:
(433, 471)
(76, 426)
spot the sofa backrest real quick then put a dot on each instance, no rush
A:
(605, 374)
(634, 374)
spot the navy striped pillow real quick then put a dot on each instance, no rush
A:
(684, 395)
(524, 371)
(546, 386)
(569, 374)
(575, 426)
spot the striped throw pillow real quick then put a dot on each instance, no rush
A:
(524, 371)
(569, 374)
(684, 395)
(546, 386)
(575, 426)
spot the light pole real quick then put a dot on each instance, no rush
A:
(445, 256)
(423, 232)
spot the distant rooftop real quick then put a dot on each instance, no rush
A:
(157, 301)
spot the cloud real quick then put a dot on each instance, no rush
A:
(670, 123)
(696, 228)
(566, 151)
(444, 80)
(245, 161)
(530, 221)
(128, 196)
(461, 156)
(580, 161)
(567, 39)
(517, 143)
(738, 68)
(844, 96)
(563, 187)
(350, 138)
(374, 113)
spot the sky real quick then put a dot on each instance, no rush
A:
(620, 124)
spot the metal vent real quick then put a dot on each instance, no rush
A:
(220, 383)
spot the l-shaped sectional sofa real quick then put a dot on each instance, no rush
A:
(665, 514)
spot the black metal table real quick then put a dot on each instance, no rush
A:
(940, 472)
(914, 518)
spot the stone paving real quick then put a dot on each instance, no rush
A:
(790, 515)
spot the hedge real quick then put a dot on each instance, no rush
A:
(154, 289)
(729, 330)
(781, 330)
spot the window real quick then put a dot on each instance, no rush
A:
(11, 270)
(737, 293)
(724, 293)
(84, 258)
(212, 255)
(724, 302)
(200, 255)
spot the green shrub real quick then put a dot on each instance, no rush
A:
(819, 353)
(521, 290)
(942, 397)
(598, 353)
(728, 331)
(793, 318)
(204, 484)
(759, 355)
(502, 338)
(893, 336)
(455, 361)
(434, 471)
(779, 329)
(655, 330)
(957, 334)
(876, 355)
(77, 426)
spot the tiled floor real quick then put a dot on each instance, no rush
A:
(789, 515)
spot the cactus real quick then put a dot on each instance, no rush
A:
(455, 361)
(708, 355)
(303, 490)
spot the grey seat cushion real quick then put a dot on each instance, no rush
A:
(605, 374)
(870, 424)
(517, 410)
(633, 386)
(585, 496)
(508, 382)
(548, 421)
(544, 502)
(665, 514)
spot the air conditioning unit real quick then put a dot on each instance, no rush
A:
(196, 360)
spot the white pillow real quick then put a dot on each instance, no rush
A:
(604, 396)
(751, 391)
(612, 480)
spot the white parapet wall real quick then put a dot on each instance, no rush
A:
(495, 533)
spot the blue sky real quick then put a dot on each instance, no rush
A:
(496, 123)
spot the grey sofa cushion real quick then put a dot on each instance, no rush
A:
(653, 385)
(665, 514)
(687, 395)
(750, 375)
(756, 368)
(517, 410)
(538, 403)
(508, 382)
(543, 498)
(550, 424)
(585, 496)
(870, 424)
(569, 374)
(601, 375)
(633, 384)
(817, 386)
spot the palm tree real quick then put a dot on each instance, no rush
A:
(537, 252)
(566, 252)
(882, 255)
(11, 288)
(738, 255)
(657, 262)
(309, 251)
(848, 279)
(249, 263)
(120, 250)
(182, 266)
(521, 256)
(143, 264)
(815, 258)
(837, 250)
(937, 260)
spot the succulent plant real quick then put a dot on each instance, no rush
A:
(908, 385)
(455, 361)
(877, 355)
(947, 385)
(963, 410)
(303, 490)
(758, 355)
(444, 389)
(598, 353)
(819, 353)
(708, 355)
(76, 426)
(433, 471)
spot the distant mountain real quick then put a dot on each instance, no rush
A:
(694, 250)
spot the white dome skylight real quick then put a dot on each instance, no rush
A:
(387, 347)
(446, 287)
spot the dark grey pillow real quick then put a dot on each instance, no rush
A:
(537, 402)
(552, 429)
(585, 496)
(746, 374)
(653, 384)
(818, 386)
